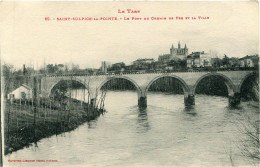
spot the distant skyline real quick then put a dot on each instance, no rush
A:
(26, 38)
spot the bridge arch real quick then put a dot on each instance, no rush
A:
(227, 81)
(185, 87)
(66, 79)
(244, 79)
(138, 89)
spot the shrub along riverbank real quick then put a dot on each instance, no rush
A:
(23, 127)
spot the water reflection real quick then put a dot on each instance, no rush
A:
(142, 121)
(190, 110)
(92, 124)
(234, 107)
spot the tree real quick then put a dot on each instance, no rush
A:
(216, 62)
(60, 91)
(183, 63)
(51, 69)
(177, 64)
(66, 69)
(75, 69)
(234, 62)
(251, 143)
(8, 77)
(117, 67)
(225, 61)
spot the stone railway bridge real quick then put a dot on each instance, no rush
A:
(189, 81)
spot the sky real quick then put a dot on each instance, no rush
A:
(26, 38)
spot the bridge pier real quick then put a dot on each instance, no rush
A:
(189, 100)
(142, 102)
(234, 100)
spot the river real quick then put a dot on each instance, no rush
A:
(164, 134)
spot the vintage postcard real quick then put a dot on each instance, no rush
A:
(129, 84)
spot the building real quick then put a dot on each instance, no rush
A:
(23, 92)
(164, 59)
(198, 59)
(104, 66)
(249, 61)
(175, 53)
(142, 63)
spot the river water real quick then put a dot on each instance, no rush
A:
(164, 134)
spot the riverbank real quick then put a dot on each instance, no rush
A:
(22, 127)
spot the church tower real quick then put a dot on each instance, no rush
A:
(172, 50)
(186, 50)
(175, 54)
(179, 53)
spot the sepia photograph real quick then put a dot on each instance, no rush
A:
(129, 83)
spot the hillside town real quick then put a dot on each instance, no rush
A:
(179, 59)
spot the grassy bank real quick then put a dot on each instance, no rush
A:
(22, 127)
